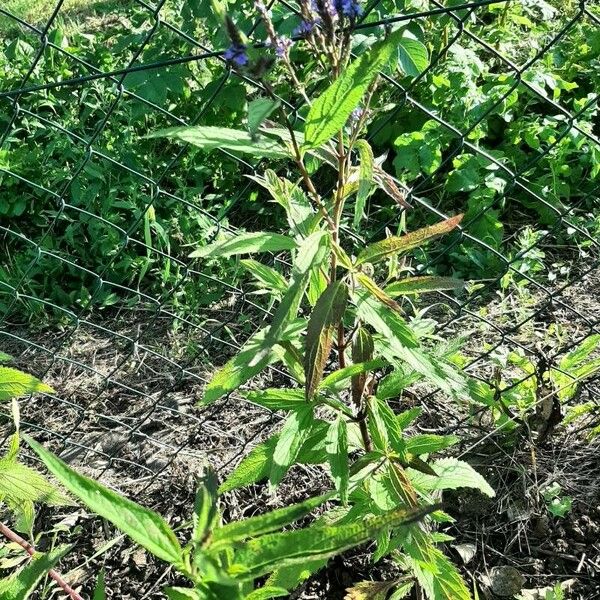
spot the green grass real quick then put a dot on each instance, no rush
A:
(37, 12)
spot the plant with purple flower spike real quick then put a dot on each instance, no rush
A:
(355, 325)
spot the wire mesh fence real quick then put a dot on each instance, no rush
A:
(97, 295)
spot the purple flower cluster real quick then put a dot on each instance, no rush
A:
(326, 11)
(349, 8)
(356, 115)
(236, 53)
(304, 29)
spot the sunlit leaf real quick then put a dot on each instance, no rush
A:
(23, 584)
(246, 243)
(278, 399)
(14, 384)
(260, 525)
(422, 285)
(276, 550)
(322, 326)
(19, 483)
(415, 239)
(266, 592)
(333, 380)
(330, 111)
(309, 256)
(242, 367)
(452, 474)
(365, 180)
(141, 524)
(221, 138)
(291, 437)
(412, 56)
(369, 285)
(336, 445)
(429, 443)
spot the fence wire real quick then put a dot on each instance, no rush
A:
(127, 361)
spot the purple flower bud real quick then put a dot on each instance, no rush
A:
(349, 8)
(304, 29)
(282, 46)
(356, 115)
(236, 53)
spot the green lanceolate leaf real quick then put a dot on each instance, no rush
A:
(23, 584)
(384, 428)
(404, 419)
(422, 285)
(4, 358)
(142, 525)
(269, 279)
(254, 466)
(309, 256)
(387, 322)
(399, 342)
(246, 243)
(291, 576)
(14, 384)
(337, 379)
(396, 244)
(323, 322)
(368, 284)
(438, 577)
(222, 138)
(277, 399)
(19, 484)
(365, 180)
(295, 430)
(264, 593)
(205, 508)
(301, 216)
(179, 593)
(243, 366)
(452, 474)
(394, 383)
(100, 589)
(430, 443)
(271, 521)
(336, 445)
(258, 111)
(257, 464)
(342, 257)
(277, 550)
(330, 111)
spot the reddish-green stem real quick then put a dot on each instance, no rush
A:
(17, 539)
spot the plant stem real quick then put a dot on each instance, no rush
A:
(17, 539)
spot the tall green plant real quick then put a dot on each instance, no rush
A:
(339, 326)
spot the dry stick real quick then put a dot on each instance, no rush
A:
(17, 539)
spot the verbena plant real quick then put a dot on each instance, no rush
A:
(339, 326)
(340, 329)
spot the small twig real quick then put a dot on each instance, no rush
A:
(17, 539)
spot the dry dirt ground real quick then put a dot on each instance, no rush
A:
(126, 412)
